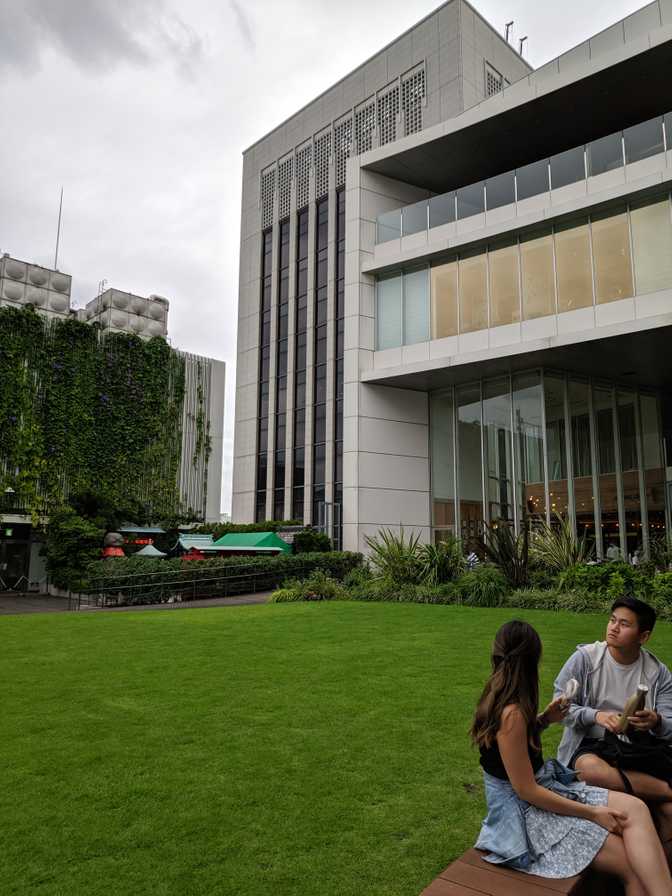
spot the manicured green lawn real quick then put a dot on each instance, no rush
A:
(290, 749)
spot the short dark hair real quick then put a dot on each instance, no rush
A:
(646, 615)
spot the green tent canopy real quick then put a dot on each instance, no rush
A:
(254, 542)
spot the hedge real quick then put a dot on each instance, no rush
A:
(142, 580)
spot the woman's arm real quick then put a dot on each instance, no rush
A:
(512, 741)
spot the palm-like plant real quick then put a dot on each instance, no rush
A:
(508, 551)
(395, 557)
(557, 546)
(442, 562)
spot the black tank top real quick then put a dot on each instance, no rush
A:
(491, 760)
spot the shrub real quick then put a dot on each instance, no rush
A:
(508, 551)
(394, 557)
(661, 590)
(557, 546)
(541, 578)
(318, 586)
(572, 601)
(72, 543)
(442, 562)
(485, 586)
(378, 589)
(609, 580)
(309, 540)
(661, 552)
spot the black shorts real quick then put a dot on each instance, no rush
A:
(587, 745)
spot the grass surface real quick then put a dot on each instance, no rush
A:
(299, 749)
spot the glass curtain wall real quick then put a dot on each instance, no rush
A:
(299, 471)
(281, 374)
(544, 444)
(320, 385)
(264, 373)
(338, 372)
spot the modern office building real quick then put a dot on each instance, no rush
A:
(456, 291)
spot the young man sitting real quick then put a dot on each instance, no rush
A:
(608, 673)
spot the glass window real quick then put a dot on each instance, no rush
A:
(568, 167)
(500, 190)
(611, 256)
(652, 246)
(573, 266)
(644, 140)
(654, 473)
(498, 448)
(444, 300)
(388, 312)
(470, 201)
(469, 463)
(388, 226)
(668, 131)
(626, 405)
(529, 442)
(504, 284)
(532, 180)
(556, 445)
(581, 459)
(605, 154)
(606, 460)
(414, 218)
(443, 459)
(536, 254)
(473, 286)
(442, 209)
(416, 306)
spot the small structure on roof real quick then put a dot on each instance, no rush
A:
(197, 547)
(268, 543)
(149, 551)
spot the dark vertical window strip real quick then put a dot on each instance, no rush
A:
(320, 369)
(264, 368)
(281, 373)
(299, 455)
(338, 371)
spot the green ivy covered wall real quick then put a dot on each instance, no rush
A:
(85, 411)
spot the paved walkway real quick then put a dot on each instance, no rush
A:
(12, 604)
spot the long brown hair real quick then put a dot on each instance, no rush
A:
(514, 679)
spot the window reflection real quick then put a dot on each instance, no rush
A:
(443, 460)
(532, 180)
(529, 442)
(414, 218)
(388, 312)
(470, 201)
(568, 168)
(627, 433)
(469, 463)
(497, 447)
(654, 472)
(605, 154)
(388, 226)
(643, 140)
(606, 461)
(556, 442)
(442, 209)
(581, 459)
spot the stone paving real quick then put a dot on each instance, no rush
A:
(12, 604)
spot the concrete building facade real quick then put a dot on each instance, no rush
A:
(461, 314)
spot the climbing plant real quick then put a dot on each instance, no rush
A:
(85, 411)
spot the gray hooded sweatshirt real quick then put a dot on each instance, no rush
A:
(581, 665)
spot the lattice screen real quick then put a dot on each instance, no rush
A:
(285, 172)
(342, 148)
(388, 111)
(267, 197)
(493, 80)
(413, 89)
(322, 155)
(304, 158)
(365, 125)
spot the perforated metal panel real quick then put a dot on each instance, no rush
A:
(388, 111)
(342, 148)
(267, 197)
(413, 87)
(365, 125)
(322, 156)
(285, 172)
(304, 158)
(493, 80)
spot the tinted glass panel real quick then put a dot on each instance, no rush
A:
(473, 277)
(416, 306)
(443, 472)
(442, 209)
(414, 218)
(611, 255)
(644, 140)
(556, 444)
(527, 412)
(444, 300)
(504, 285)
(470, 201)
(536, 254)
(668, 130)
(388, 312)
(567, 168)
(498, 449)
(389, 226)
(469, 463)
(500, 190)
(605, 154)
(574, 268)
(652, 244)
(532, 180)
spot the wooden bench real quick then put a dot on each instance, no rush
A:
(471, 876)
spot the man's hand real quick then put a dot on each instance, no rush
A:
(609, 720)
(645, 720)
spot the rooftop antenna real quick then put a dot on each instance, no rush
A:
(508, 26)
(521, 41)
(58, 231)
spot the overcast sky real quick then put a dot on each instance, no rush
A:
(141, 109)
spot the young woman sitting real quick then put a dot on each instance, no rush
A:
(541, 819)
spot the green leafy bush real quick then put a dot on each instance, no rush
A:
(661, 590)
(557, 547)
(396, 557)
(571, 601)
(218, 530)
(508, 551)
(442, 562)
(72, 543)
(609, 580)
(485, 586)
(309, 540)
(318, 586)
